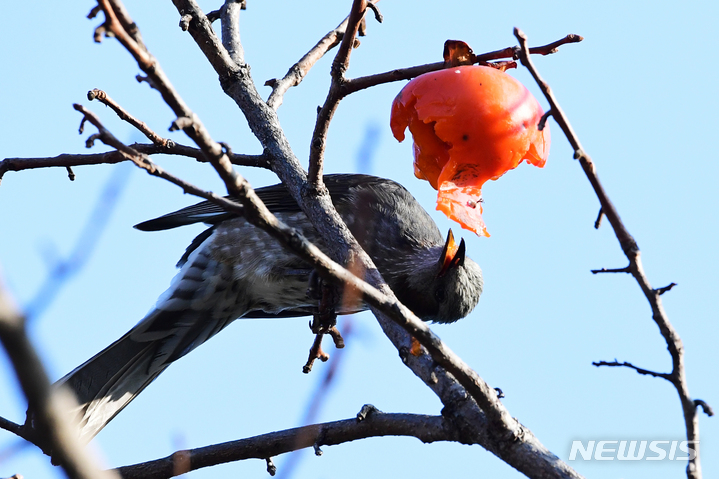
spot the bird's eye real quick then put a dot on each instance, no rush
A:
(439, 295)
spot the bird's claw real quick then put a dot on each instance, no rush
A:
(325, 321)
(316, 352)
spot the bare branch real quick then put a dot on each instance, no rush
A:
(230, 16)
(356, 84)
(551, 47)
(630, 248)
(669, 287)
(502, 428)
(527, 455)
(123, 16)
(705, 407)
(142, 161)
(339, 67)
(625, 364)
(10, 426)
(324, 385)
(112, 157)
(51, 428)
(158, 79)
(377, 424)
(600, 215)
(626, 269)
(375, 9)
(105, 99)
(299, 70)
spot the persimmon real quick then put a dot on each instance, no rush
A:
(470, 124)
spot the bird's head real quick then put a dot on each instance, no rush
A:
(443, 284)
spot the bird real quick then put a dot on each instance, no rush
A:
(235, 270)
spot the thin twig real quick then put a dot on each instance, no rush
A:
(212, 17)
(600, 215)
(356, 84)
(540, 126)
(705, 407)
(626, 269)
(339, 67)
(112, 157)
(375, 9)
(144, 162)
(105, 99)
(299, 70)
(10, 426)
(662, 290)
(271, 468)
(314, 406)
(630, 248)
(625, 364)
(192, 125)
(425, 428)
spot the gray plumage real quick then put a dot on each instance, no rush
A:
(235, 270)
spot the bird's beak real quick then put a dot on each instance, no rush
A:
(452, 255)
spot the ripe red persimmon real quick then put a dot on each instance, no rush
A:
(470, 124)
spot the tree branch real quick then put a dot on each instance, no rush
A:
(376, 424)
(142, 161)
(52, 429)
(12, 427)
(705, 407)
(324, 116)
(186, 119)
(505, 437)
(328, 268)
(356, 84)
(105, 99)
(625, 364)
(630, 248)
(230, 19)
(626, 269)
(299, 70)
(112, 157)
(664, 289)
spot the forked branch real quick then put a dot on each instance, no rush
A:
(630, 248)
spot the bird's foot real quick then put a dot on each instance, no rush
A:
(325, 321)
(316, 352)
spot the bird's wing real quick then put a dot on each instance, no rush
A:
(275, 197)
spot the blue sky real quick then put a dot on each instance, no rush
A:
(641, 93)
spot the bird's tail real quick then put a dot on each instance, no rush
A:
(201, 301)
(106, 383)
